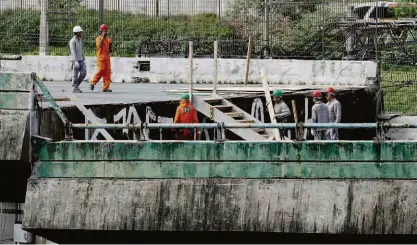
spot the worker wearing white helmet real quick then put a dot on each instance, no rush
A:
(77, 58)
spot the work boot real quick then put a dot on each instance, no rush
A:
(107, 90)
(91, 86)
(77, 90)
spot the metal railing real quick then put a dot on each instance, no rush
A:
(142, 129)
(245, 125)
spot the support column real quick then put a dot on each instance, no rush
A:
(266, 29)
(44, 29)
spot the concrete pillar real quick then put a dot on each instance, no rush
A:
(266, 29)
(350, 39)
(44, 29)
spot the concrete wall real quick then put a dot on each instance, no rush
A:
(295, 206)
(287, 72)
(353, 187)
(403, 134)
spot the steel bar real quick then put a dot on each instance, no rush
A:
(88, 114)
(51, 100)
(245, 125)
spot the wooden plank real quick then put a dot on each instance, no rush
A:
(305, 116)
(269, 104)
(88, 114)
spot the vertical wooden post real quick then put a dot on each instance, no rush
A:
(305, 116)
(269, 104)
(248, 60)
(190, 55)
(294, 112)
(215, 69)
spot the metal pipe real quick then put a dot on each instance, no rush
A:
(245, 125)
(51, 100)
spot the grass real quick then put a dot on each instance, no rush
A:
(400, 90)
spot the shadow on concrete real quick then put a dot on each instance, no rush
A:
(120, 237)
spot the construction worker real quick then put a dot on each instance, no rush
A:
(186, 113)
(319, 114)
(77, 58)
(103, 46)
(335, 113)
(282, 112)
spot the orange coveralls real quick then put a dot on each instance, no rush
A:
(186, 113)
(103, 62)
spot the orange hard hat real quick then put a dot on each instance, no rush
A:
(330, 91)
(104, 27)
(316, 94)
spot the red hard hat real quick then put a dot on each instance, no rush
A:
(316, 94)
(104, 27)
(330, 91)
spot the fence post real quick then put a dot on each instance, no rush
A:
(215, 68)
(191, 54)
(44, 29)
(266, 28)
(100, 14)
(248, 60)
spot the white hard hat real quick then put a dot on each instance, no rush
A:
(77, 29)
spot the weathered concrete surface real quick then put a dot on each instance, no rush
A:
(403, 134)
(16, 81)
(295, 206)
(353, 73)
(14, 146)
(14, 106)
(12, 132)
(242, 159)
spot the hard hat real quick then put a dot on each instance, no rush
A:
(277, 93)
(185, 97)
(316, 94)
(77, 29)
(104, 27)
(330, 91)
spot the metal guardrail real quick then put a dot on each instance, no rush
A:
(245, 125)
(55, 106)
(142, 129)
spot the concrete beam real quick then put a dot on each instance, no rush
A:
(288, 206)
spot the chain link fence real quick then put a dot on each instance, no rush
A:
(291, 29)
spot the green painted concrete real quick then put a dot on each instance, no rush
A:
(344, 159)
(162, 170)
(15, 81)
(14, 100)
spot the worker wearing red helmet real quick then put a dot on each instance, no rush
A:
(319, 114)
(103, 48)
(335, 113)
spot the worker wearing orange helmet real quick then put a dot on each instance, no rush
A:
(335, 113)
(103, 47)
(186, 113)
(319, 114)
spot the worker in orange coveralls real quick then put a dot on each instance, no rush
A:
(186, 113)
(103, 45)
